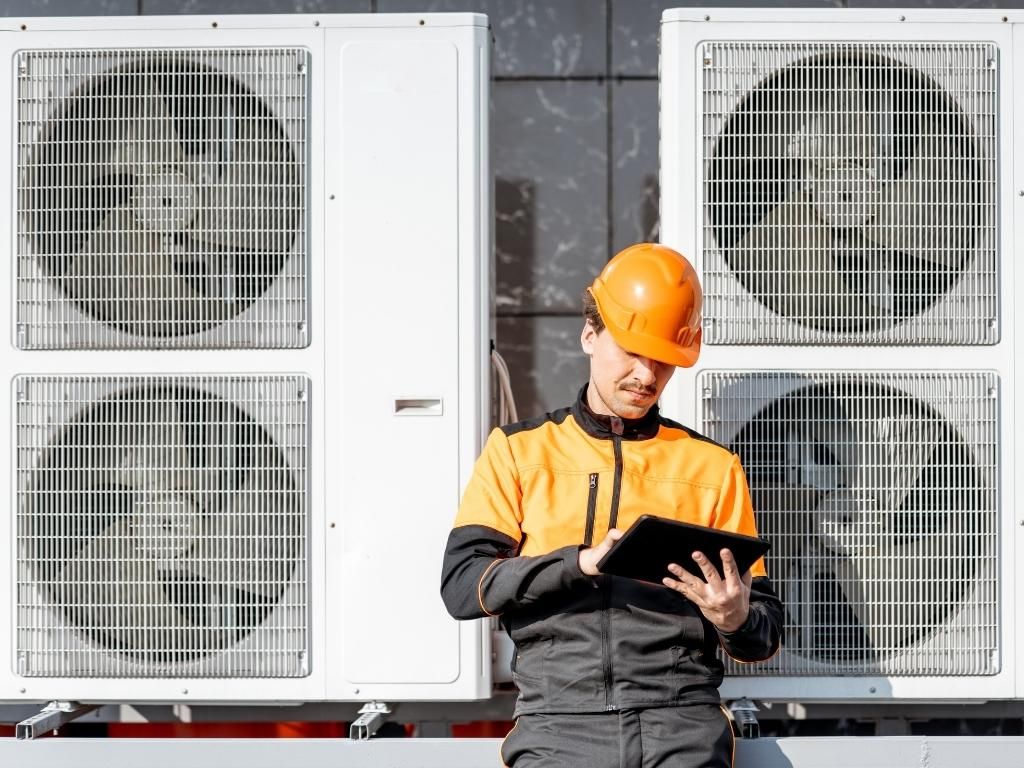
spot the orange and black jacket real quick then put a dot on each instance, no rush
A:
(543, 489)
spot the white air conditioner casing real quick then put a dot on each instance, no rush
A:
(249, 304)
(846, 183)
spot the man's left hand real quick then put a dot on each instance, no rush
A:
(724, 599)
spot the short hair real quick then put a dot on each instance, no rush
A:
(590, 311)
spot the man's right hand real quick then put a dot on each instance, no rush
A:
(590, 557)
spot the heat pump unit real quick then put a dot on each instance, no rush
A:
(842, 180)
(249, 307)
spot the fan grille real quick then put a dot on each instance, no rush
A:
(162, 526)
(161, 198)
(878, 493)
(850, 193)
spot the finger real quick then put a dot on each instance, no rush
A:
(730, 570)
(711, 574)
(685, 583)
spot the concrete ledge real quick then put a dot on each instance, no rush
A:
(824, 752)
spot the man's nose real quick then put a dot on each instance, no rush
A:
(646, 370)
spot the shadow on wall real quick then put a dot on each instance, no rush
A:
(650, 220)
(760, 753)
(515, 256)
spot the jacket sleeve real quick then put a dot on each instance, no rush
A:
(482, 574)
(761, 635)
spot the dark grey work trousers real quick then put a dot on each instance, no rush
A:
(694, 736)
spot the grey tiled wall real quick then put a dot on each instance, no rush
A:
(575, 121)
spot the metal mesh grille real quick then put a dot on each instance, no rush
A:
(878, 494)
(161, 198)
(850, 193)
(161, 526)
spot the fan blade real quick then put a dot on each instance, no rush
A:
(253, 543)
(785, 260)
(930, 212)
(255, 202)
(110, 589)
(901, 589)
(147, 140)
(158, 459)
(228, 279)
(910, 447)
(848, 123)
(124, 275)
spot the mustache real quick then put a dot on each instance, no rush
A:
(636, 386)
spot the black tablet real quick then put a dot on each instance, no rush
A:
(651, 543)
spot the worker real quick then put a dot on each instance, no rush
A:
(613, 672)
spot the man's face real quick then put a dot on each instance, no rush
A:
(621, 384)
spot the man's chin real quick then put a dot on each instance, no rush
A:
(632, 410)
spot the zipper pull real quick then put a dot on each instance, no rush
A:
(617, 425)
(593, 481)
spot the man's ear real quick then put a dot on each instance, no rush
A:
(587, 338)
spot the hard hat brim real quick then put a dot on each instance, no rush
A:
(657, 349)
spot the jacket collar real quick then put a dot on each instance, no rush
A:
(607, 427)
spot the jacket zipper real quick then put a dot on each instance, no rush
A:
(609, 679)
(588, 536)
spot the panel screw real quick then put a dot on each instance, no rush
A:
(22, 690)
(184, 690)
(316, 23)
(872, 689)
(902, 18)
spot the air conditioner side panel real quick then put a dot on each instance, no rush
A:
(402, 277)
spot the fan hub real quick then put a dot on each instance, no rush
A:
(846, 522)
(165, 201)
(165, 524)
(845, 193)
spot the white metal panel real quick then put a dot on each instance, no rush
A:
(404, 270)
(398, 286)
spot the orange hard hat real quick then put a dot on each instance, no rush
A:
(649, 298)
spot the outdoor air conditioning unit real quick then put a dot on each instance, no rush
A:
(249, 355)
(844, 182)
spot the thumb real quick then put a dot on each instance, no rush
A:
(610, 538)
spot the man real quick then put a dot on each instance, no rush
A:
(612, 671)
